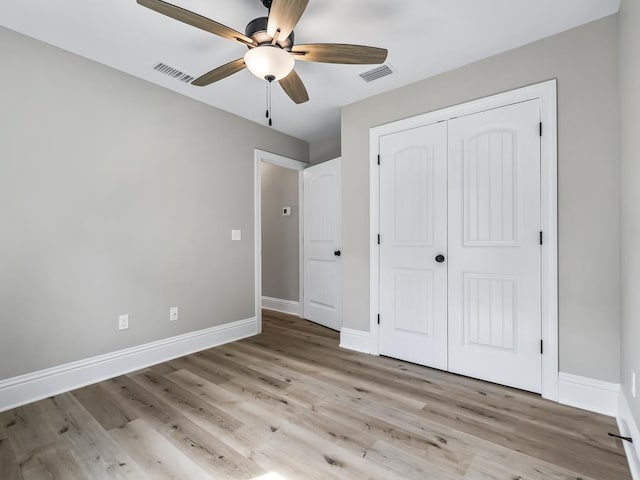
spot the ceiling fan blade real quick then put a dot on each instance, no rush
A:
(195, 20)
(293, 86)
(339, 53)
(284, 15)
(219, 73)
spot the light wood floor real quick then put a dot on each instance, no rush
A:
(289, 404)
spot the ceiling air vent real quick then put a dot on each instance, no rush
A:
(376, 73)
(173, 72)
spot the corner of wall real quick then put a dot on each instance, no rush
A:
(324, 150)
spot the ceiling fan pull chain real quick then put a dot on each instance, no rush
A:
(266, 91)
(269, 79)
(270, 107)
(269, 104)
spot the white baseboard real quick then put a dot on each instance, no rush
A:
(588, 394)
(284, 306)
(355, 340)
(24, 389)
(629, 428)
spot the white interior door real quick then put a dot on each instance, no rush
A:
(494, 246)
(413, 231)
(322, 244)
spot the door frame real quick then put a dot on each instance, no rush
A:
(281, 161)
(546, 92)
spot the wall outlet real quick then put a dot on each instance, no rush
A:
(286, 212)
(633, 384)
(123, 322)
(173, 314)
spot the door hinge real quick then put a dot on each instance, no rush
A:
(378, 159)
(378, 319)
(540, 128)
(541, 347)
(540, 238)
(378, 239)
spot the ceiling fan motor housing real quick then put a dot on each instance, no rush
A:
(257, 30)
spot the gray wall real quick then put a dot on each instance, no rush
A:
(323, 150)
(584, 61)
(116, 196)
(629, 19)
(280, 234)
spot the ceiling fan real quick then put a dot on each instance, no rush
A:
(270, 40)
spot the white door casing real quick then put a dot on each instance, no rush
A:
(413, 232)
(494, 246)
(322, 244)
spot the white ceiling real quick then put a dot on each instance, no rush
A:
(424, 38)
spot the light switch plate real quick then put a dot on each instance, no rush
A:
(173, 314)
(236, 235)
(123, 322)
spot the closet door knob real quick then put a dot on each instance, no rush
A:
(440, 258)
(337, 253)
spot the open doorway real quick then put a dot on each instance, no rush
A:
(279, 233)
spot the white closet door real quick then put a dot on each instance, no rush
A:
(494, 246)
(322, 244)
(413, 228)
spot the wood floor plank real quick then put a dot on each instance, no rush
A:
(457, 448)
(154, 453)
(89, 443)
(29, 430)
(224, 361)
(301, 450)
(9, 468)
(56, 460)
(187, 403)
(290, 402)
(192, 364)
(509, 464)
(440, 447)
(259, 423)
(524, 406)
(337, 378)
(405, 465)
(204, 446)
(97, 401)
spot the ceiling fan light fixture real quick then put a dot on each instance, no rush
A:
(269, 60)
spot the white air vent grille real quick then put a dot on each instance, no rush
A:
(173, 72)
(376, 73)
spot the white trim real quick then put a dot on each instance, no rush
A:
(374, 248)
(588, 394)
(284, 306)
(275, 159)
(629, 428)
(31, 387)
(356, 340)
(281, 161)
(546, 92)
